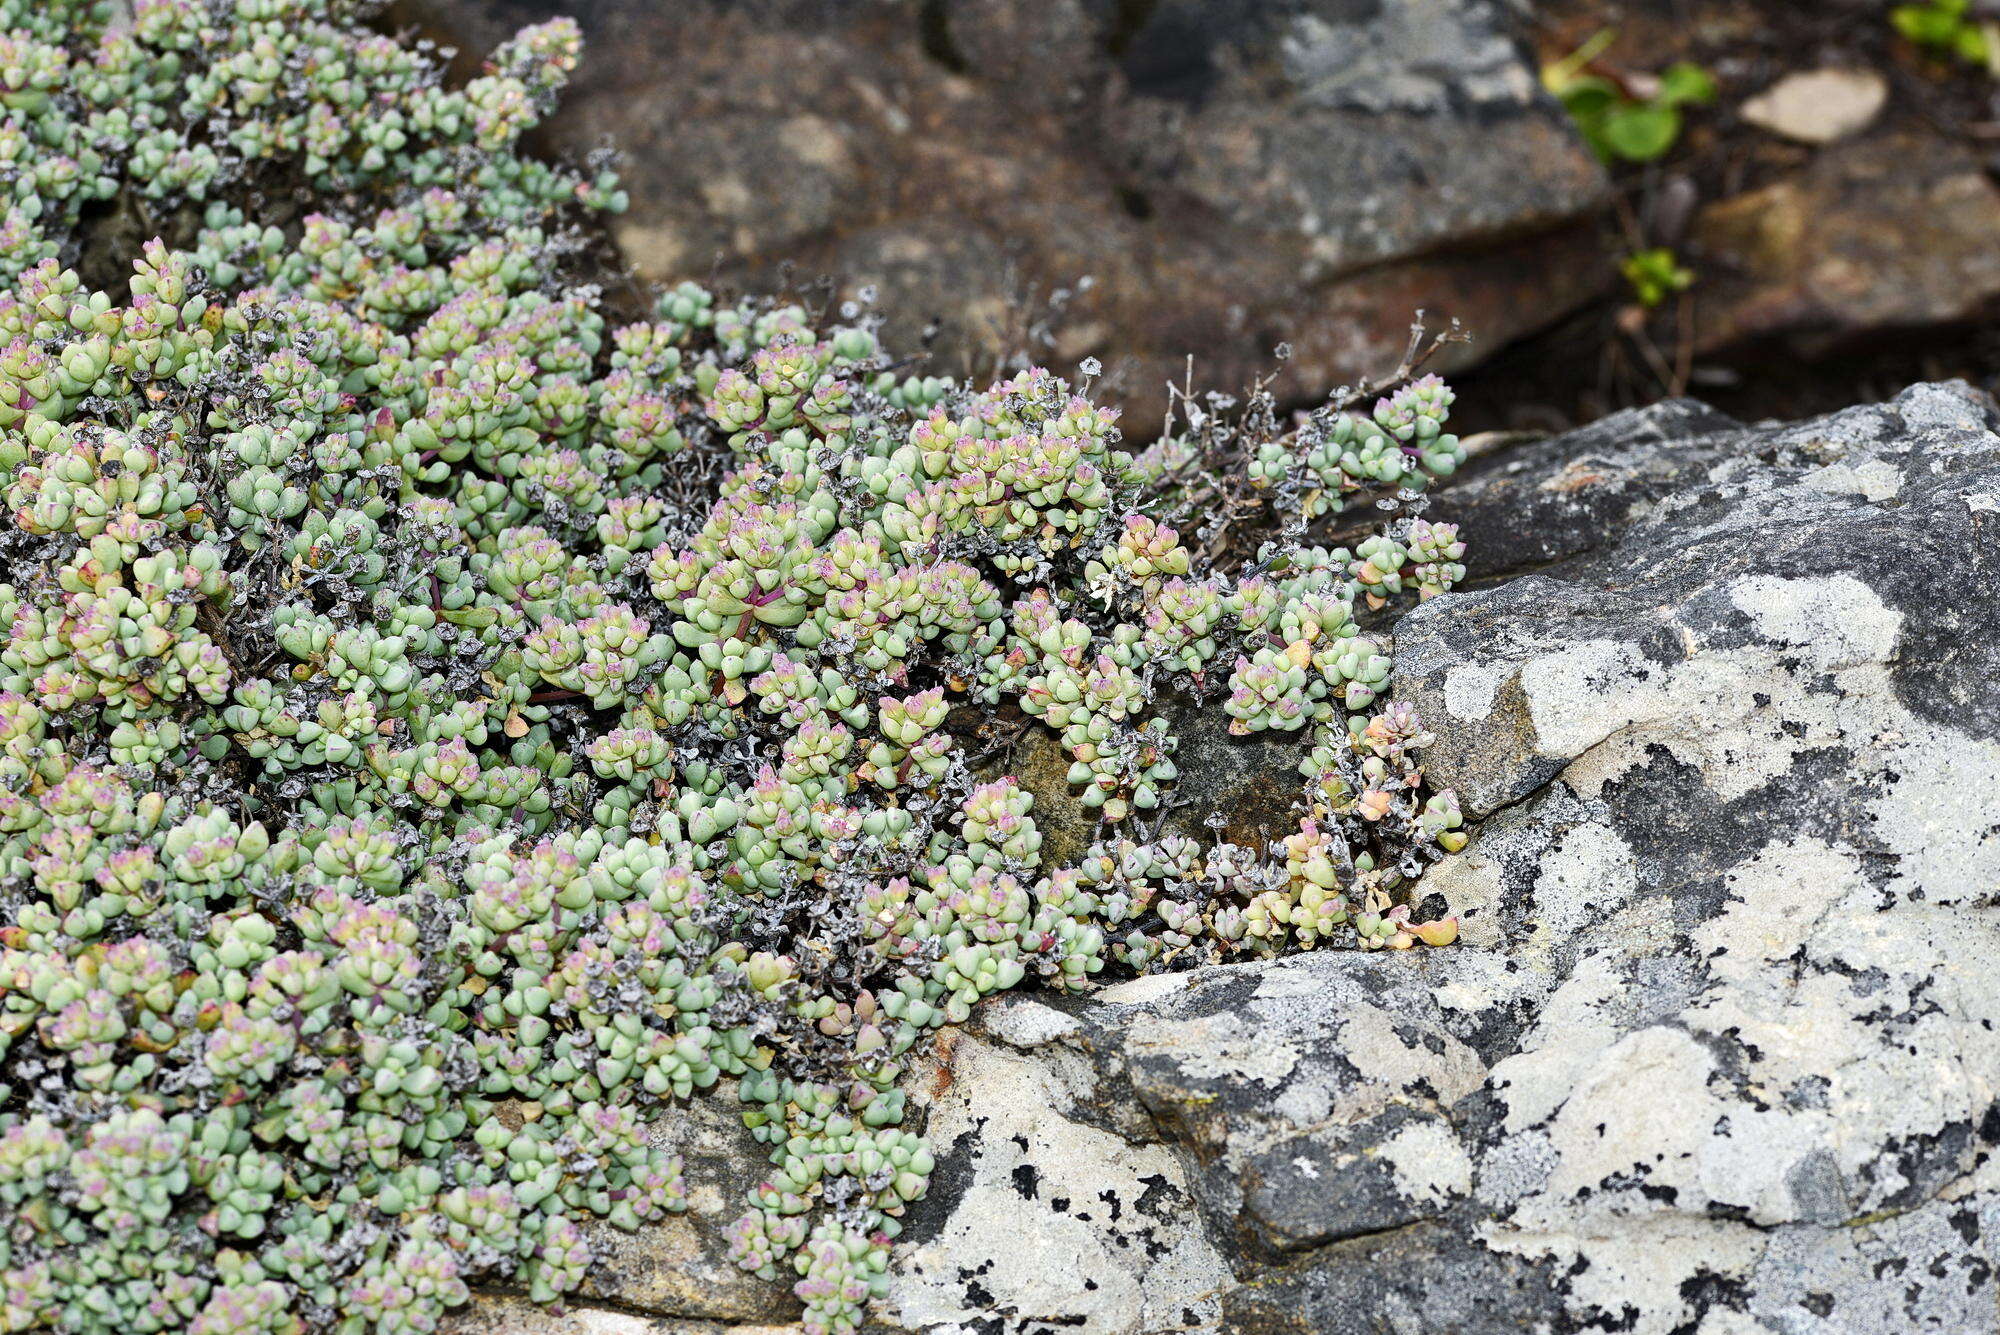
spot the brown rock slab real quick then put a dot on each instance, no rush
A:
(1877, 235)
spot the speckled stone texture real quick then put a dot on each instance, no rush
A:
(1718, 1051)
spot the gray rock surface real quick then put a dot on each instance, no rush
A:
(1719, 1051)
(1233, 174)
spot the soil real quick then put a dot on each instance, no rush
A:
(1613, 354)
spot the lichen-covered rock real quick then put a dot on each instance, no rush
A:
(1718, 1051)
(1104, 1235)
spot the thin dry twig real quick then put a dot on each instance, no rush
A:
(1213, 477)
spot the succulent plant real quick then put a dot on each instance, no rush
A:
(439, 731)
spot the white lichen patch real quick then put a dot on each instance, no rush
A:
(1070, 1222)
(1836, 621)
(1815, 677)
(1580, 1021)
(1470, 689)
(1144, 989)
(1216, 1047)
(1431, 1165)
(1588, 874)
(1390, 1065)
(1581, 694)
(1022, 1022)
(1776, 899)
(1641, 1268)
(1873, 480)
(1938, 816)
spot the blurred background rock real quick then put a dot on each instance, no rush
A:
(1145, 181)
